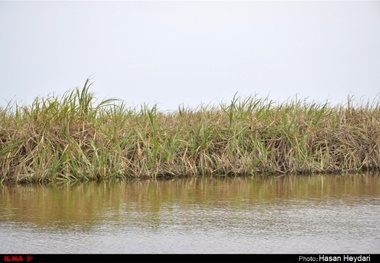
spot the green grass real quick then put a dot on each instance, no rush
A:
(74, 138)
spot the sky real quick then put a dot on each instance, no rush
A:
(191, 53)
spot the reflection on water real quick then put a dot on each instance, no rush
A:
(288, 214)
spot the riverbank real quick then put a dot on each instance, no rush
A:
(72, 138)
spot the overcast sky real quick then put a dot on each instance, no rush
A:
(191, 52)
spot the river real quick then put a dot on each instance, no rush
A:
(244, 215)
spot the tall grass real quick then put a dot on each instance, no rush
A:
(73, 138)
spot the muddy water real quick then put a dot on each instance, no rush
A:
(288, 214)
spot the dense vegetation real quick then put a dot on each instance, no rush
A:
(74, 138)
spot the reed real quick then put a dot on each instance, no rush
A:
(74, 138)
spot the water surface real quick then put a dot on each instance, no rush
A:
(287, 214)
